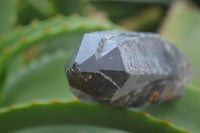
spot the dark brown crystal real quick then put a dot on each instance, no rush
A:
(122, 68)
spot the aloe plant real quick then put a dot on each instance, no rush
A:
(34, 93)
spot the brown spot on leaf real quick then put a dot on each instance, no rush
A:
(169, 95)
(154, 97)
(65, 26)
(166, 122)
(144, 113)
(55, 101)
(47, 30)
(34, 102)
(24, 39)
(12, 107)
(31, 54)
(6, 50)
(76, 100)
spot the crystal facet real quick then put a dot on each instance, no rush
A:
(124, 69)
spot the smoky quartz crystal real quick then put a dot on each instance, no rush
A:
(128, 69)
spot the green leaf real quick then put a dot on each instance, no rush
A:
(182, 27)
(139, 1)
(70, 129)
(6, 16)
(32, 35)
(184, 113)
(42, 80)
(76, 113)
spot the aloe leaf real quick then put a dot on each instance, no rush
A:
(31, 36)
(42, 31)
(139, 1)
(21, 32)
(183, 113)
(182, 26)
(77, 113)
(6, 16)
(42, 80)
(69, 128)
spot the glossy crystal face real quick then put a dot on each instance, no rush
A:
(122, 68)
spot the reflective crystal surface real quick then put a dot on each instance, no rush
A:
(122, 68)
